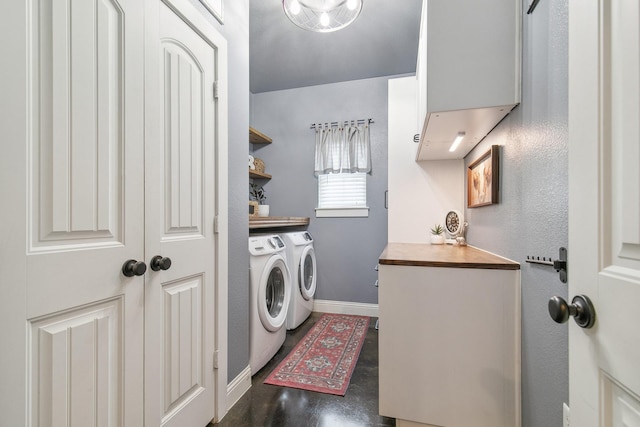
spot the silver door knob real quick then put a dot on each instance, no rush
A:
(581, 309)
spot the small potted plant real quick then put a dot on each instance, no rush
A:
(256, 192)
(437, 237)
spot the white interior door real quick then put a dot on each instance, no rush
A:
(77, 203)
(182, 139)
(604, 210)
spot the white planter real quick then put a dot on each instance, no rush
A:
(437, 239)
(263, 210)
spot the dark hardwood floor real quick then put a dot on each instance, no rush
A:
(272, 406)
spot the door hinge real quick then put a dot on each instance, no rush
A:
(215, 90)
(215, 224)
(215, 359)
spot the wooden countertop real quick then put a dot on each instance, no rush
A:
(277, 221)
(426, 255)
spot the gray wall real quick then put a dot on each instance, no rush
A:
(236, 31)
(347, 249)
(531, 218)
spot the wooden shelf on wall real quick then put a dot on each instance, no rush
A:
(277, 221)
(257, 137)
(256, 174)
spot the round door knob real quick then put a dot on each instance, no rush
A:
(581, 309)
(159, 262)
(133, 268)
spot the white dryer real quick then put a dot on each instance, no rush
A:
(302, 264)
(270, 292)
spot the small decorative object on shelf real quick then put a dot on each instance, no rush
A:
(259, 164)
(437, 237)
(253, 208)
(455, 228)
(252, 162)
(256, 192)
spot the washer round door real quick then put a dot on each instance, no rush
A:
(274, 293)
(307, 273)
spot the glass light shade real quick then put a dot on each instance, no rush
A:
(322, 15)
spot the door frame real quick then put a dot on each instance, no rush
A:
(14, 122)
(584, 139)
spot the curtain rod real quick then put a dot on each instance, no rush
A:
(313, 125)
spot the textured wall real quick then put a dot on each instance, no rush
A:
(531, 218)
(347, 249)
(236, 31)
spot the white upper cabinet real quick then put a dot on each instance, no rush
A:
(468, 72)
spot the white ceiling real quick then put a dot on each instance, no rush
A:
(382, 41)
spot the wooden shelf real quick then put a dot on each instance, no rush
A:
(277, 221)
(257, 137)
(256, 174)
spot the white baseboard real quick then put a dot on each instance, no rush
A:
(344, 307)
(238, 387)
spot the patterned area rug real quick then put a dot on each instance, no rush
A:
(325, 358)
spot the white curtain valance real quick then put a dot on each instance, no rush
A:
(344, 148)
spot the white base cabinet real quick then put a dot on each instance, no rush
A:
(449, 344)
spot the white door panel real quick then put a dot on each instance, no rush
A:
(604, 210)
(181, 193)
(76, 366)
(83, 125)
(182, 352)
(77, 122)
(84, 211)
(184, 82)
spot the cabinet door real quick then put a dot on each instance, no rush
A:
(73, 193)
(181, 187)
(449, 346)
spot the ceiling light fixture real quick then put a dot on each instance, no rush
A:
(322, 15)
(456, 142)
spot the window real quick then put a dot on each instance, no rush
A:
(342, 195)
(342, 160)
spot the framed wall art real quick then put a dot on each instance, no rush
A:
(483, 179)
(215, 7)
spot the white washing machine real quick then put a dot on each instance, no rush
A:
(270, 292)
(302, 264)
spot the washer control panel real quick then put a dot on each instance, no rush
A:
(264, 245)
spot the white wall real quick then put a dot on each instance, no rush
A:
(420, 193)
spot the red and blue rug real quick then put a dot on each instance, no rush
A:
(325, 358)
